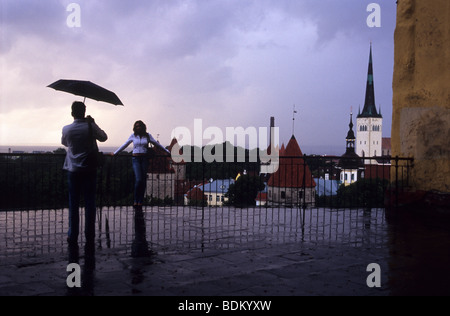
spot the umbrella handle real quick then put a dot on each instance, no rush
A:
(84, 101)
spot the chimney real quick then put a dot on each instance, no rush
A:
(272, 126)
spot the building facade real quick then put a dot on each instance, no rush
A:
(292, 184)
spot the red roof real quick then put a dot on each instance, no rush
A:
(282, 150)
(160, 165)
(196, 194)
(180, 152)
(262, 197)
(386, 143)
(292, 170)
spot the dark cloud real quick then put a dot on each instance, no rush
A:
(227, 61)
(31, 18)
(344, 16)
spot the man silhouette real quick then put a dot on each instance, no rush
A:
(79, 137)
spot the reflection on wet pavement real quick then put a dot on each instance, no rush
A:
(216, 244)
(419, 255)
(30, 234)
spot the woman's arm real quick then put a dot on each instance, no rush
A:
(154, 142)
(122, 148)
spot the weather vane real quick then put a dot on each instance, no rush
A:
(293, 120)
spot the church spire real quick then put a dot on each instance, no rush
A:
(370, 109)
(351, 136)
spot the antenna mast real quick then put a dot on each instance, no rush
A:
(293, 120)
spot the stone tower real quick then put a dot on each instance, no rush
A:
(421, 100)
(369, 128)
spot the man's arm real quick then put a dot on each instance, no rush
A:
(97, 132)
(64, 138)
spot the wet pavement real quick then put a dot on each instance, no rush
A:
(229, 252)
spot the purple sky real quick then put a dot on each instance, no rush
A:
(230, 63)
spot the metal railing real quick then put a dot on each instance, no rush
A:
(37, 182)
(308, 199)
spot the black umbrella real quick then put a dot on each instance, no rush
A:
(86, 89)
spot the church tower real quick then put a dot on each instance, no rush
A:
(350, 165)
(369, 122)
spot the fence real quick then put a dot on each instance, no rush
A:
(199, 206)
(37, 182)
(28, 237)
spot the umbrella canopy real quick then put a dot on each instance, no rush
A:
(86, 89)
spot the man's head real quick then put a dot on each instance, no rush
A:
(78, 110)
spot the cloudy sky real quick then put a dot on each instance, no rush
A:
(230, 63)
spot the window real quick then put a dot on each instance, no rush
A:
(283, 194)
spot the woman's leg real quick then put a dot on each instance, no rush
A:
(140, 167)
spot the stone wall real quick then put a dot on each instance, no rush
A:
(421, 102)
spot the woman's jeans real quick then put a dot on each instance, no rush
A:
(140, 168)
(82, 182)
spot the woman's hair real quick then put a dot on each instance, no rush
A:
(143, 131)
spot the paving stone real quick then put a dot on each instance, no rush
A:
(234, 254)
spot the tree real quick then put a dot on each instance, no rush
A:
(61, 151)
(244, 191)
(363, 193)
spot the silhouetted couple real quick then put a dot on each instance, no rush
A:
(80, 138)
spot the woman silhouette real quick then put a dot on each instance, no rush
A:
(141, 140)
